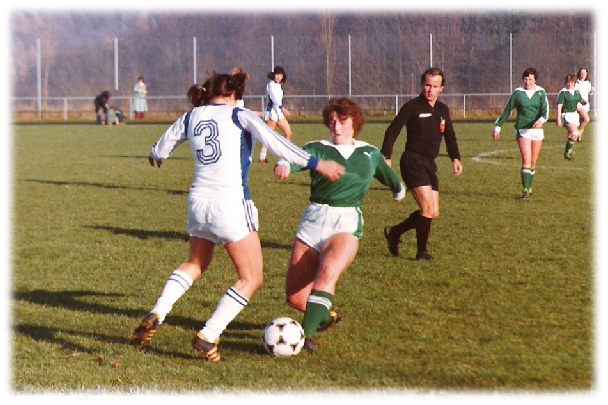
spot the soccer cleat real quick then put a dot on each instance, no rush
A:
(144, 332)
(309, 345)
(393, 244)
(336, 317)
(424, 256)
(569, 155)
(209, 349)
(263, 161)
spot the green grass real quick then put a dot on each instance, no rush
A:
(506, 306)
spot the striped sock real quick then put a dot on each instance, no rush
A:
(227, 309)
(526, 178)
(175, 286)
(317, 308)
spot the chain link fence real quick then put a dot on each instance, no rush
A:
(376, 59)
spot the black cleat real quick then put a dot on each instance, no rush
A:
(209, 349)
(309, 345)
(424, 256)
(393, 244)
(144, 332)
(336, 317)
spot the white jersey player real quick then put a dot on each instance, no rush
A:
(275, 114)
(583, 85)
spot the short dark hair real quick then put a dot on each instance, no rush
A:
(344, 108)
(432, 71)
(570, 78)
(530, 72)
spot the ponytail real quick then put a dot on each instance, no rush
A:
(218, 85)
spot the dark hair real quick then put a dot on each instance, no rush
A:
(432, 71)
(586, 70)
(570, 78)
(277, 70)
(218, 85)
(140, 78)
(344, 108)
(530, 71)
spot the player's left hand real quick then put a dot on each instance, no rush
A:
(457, 167)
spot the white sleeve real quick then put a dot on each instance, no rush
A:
(275, 93)
(174, 136)
(275, 143)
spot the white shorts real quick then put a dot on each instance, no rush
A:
(586, 107)
(571, 118)
(221, 220)
(320, 222)
(275, 114)
(535, 134)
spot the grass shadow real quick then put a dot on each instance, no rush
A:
(101, 185)
(141, 234)
(73, 301)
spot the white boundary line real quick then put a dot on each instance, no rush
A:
(482, 158)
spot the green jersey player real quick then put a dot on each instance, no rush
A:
(530, 101)
(569, 101)
(331, 226)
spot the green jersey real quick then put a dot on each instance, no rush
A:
(530, 104)
(362, 162)
(569, 99)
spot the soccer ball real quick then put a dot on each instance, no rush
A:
(283, 337)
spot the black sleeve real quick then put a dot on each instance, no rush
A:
(450, 138)
(393, 131)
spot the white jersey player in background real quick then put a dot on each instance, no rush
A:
(275, 114)
(583, 85)
(220, 209)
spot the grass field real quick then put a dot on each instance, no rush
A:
(507, 305)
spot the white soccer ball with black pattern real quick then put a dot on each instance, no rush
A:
(283, 337)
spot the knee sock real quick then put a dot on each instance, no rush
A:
(228, 307)
(532, 173)
(317, 308)
(569, 145)
(403, 227)
(423, 229)
(526, 178)
(175, 286)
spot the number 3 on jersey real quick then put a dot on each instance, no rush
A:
(211, 152)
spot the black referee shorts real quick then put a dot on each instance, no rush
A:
(418, 170)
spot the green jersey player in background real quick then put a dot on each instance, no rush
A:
(530, 101)
(569, 101)
(327, 239)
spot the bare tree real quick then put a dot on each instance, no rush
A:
(328, 23)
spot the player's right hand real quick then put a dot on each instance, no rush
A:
(158, 162)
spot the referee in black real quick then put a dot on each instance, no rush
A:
(427, 121)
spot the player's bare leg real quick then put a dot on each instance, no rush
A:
(246, 254)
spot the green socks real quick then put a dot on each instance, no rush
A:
(317, 311)
(568, 152)
(527, 176)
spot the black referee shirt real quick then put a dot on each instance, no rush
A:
(424, 129)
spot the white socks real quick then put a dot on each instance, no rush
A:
(177, 284)
(227, 309)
